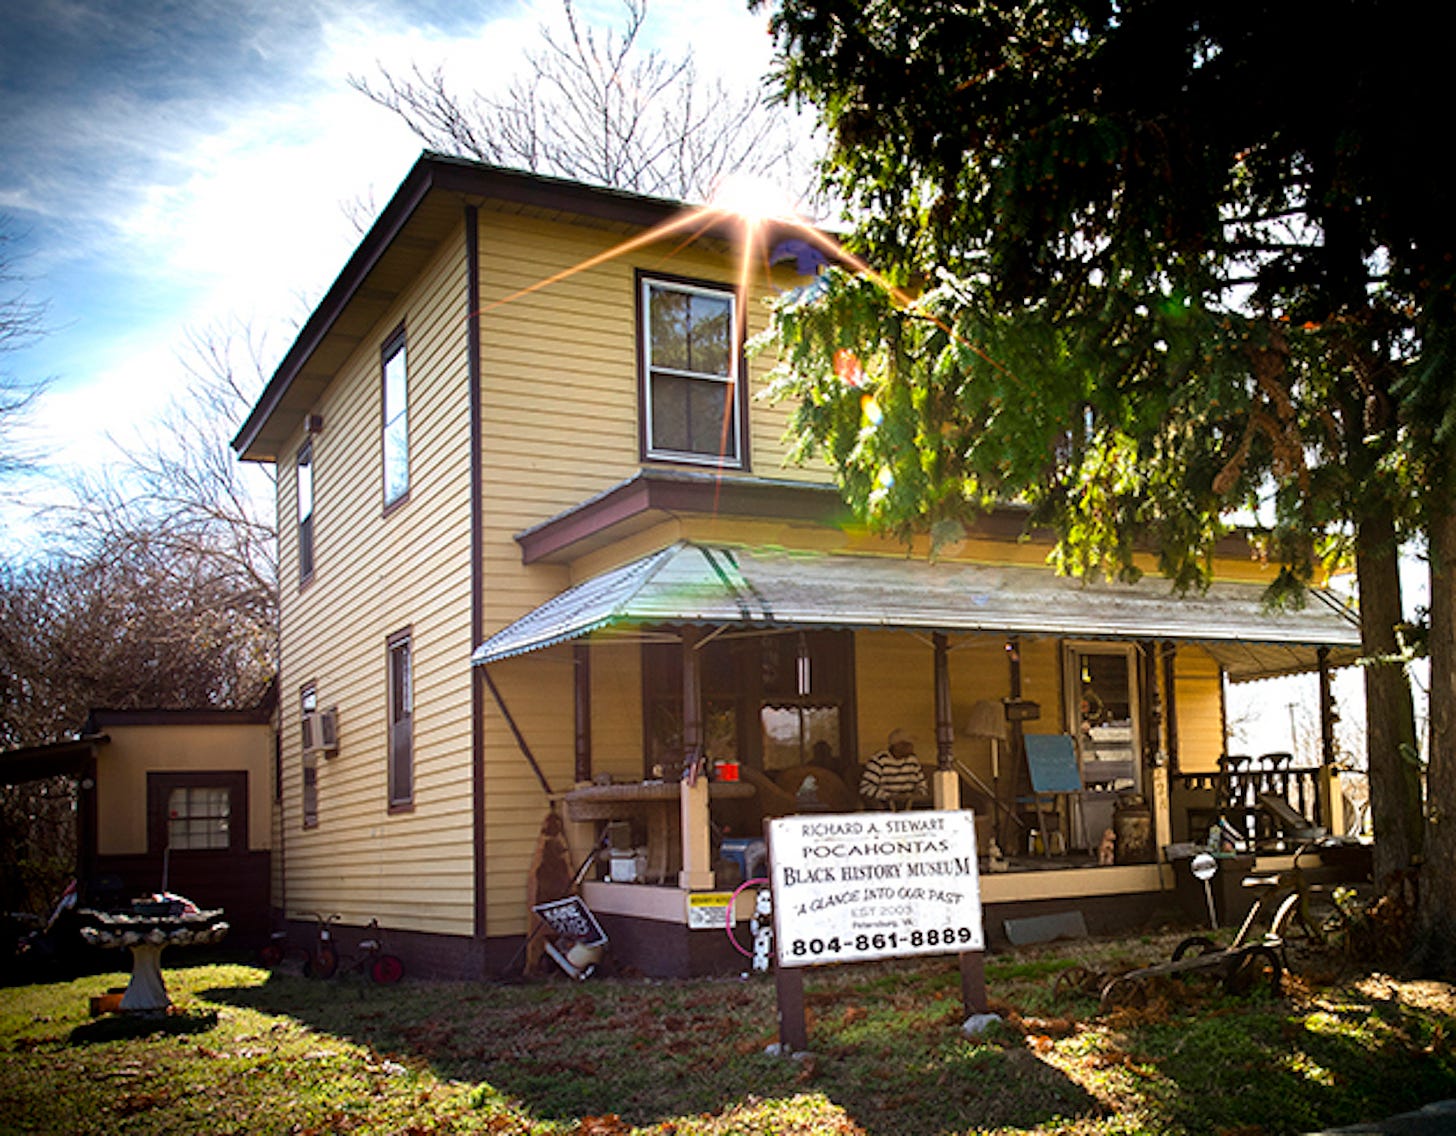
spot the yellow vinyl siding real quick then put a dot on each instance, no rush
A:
(374, 575)
(1198, 695)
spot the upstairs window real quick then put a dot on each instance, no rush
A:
(303, 475)
(401, 720)
(690, 390)
(396, 420)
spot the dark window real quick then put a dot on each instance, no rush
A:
(690, 390)
(310, 791)
(401, 720)
(395, 420)
(303, 471)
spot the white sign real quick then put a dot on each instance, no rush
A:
(856, 886)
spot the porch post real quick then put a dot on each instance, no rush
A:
(581, 656)
(1170, 706)
(1328, 798)
(697, 866)
(945, 785)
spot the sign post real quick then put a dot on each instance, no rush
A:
(856, 887)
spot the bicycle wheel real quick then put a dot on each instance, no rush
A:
(386, 970)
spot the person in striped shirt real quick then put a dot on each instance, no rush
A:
(893, 778)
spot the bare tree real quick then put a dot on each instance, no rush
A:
(165, 595)
(595, 106)
(22, 321)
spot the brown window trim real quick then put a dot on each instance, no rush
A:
(403, 802)
(159, 788)
(740, 382)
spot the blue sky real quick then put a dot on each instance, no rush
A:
(171, 166)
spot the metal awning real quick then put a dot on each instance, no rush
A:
(758, 588)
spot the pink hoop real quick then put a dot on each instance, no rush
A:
(728, 915)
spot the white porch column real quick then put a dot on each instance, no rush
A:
(945, 789)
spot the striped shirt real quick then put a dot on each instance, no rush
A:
(888, 778)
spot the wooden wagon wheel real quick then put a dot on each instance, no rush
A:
(1124, 993)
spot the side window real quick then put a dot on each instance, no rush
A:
(303, 475)
(396, 420)
(307, 704)
(689, 384)
(401, 719)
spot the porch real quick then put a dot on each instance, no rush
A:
(758, 657)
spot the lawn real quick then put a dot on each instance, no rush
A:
(250, 1052)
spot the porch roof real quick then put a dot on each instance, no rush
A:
(767, 589)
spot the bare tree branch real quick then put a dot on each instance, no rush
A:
(595, 106)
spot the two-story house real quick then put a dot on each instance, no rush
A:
(540, 549)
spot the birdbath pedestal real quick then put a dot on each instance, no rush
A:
(146, 935)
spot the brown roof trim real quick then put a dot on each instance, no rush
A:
(472, 181)
(683, 491)
(100, 719)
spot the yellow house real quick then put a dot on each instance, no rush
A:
(541, 551)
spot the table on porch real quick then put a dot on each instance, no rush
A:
(661, 806)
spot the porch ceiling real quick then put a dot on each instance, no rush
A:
(772, 588)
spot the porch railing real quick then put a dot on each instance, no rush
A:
(1233, 793)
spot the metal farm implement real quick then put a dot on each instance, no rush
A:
(1257, 957)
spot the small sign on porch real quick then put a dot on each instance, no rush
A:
(858, 886)
(708, 910)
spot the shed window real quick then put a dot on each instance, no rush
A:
(199, 818)
(197, 812)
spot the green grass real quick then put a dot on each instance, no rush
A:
(253, 1053)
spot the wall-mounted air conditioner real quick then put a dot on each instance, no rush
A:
(321, 732)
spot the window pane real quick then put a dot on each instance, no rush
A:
(305, 483)
(396, 460)
(710, 406)
(690, 416)
(670, 412)
(709, 331)
(669, 328)
(396, 387)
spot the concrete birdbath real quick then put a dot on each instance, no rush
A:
(147, 930)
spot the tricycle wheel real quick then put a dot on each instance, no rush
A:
(271, 955)
(1196, 946)
(386, 970)
(322, 964)
(1254, 967)
(1124, 993)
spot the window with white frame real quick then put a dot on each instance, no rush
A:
(395, 419)
(199, 817)
(690, 390)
